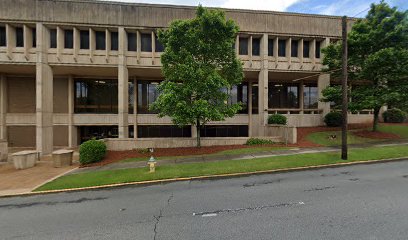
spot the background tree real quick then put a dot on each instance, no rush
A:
(199, 64)
(378, 60)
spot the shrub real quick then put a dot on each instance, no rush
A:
(333, 119)
(277, 119)
(258, 141)
(92, 151)
(394, 115)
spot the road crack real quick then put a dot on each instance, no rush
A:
(158, 217)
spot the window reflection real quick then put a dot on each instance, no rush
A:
(96, 96)
(310, 99)
(146, 95)
(283, 95)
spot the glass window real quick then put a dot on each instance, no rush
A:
(34, 37)
(256, 46)
(69, 39)
(282, 48)
(159, 45)
(97, 132)
(283, 95)
(163, 131)
(310, 96)
(96, 96)
(131, 91)
(239, 94)
(132, 41)
(295, 47)
(100, 40)
(19, 37)
(146, 42)
(317, 54)
(146, 95)
(306, 49)
(243, 46)
(114, 41)
(53, 38)
(270, 47)
(255, 94)
(225, 131)
(3, 41)
(84, 39)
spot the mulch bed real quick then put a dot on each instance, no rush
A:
(376, 135)
(116, 156)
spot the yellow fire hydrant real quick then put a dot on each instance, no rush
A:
(152, 164)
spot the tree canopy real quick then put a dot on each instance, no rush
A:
(199, 65)
(377, 60)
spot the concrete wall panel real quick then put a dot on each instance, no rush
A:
(60, 95)
(21, 136)
(60, 136)
(21, 94)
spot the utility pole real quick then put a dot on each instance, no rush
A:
(344, 149)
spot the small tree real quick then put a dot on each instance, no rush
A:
(378, 60)
(199, 64)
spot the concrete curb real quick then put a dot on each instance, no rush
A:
(209, 177)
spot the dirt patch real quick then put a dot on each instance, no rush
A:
(376, 135)
(115, 156)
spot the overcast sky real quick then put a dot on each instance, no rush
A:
(327, 7)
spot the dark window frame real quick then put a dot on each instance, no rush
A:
(84, 39)
(34, 37)
(271, 47)
(256, 46)
(114, 41)
(294, 52)
(243, 48)
(100, 40)
(279, 95)
(132, 41)
(215, 131)
(163, 131)
(146, 42)
(159, 47)
(318, 49)
(306, 49)
(19, 31)
(53, 38)
(310, 96)
(146, 95)
(282, 48)
(3, 36)
(68, 39)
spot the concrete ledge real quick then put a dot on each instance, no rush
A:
(119, 144)
(209, 177)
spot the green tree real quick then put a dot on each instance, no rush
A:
(199, 65)
(378, 60)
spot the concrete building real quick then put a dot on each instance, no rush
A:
(75, 69)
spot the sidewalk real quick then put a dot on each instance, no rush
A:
(14, 181)
(214, 158)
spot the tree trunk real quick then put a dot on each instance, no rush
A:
(198, 127)
(376, 118)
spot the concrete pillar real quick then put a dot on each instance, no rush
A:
(313, 52)
(301, 51)
(77, 42)
(275, 50)
(135, 108)
(301, 96)
(250, 109)
(71, 129)
(3, 107)
(263, 82)
(60, 42)
(11, 40)
(323, 82)
(44, 94)
(123, 87)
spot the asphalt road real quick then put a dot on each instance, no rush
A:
(356, 202)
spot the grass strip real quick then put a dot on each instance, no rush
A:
(99, 178)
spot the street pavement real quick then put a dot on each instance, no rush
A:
(355, 202)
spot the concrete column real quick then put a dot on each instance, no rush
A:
(135, 108)
(289, 50)
(108, 44)
(153, 46)
(44, 94)
(11, 40)
(301, 96)
(237, 45)
(71, 129)
(301, 51)
(138, 45)
(77, 42)
(123, 87)
(250, 48)
(3, 107)
(92, 44)
(250, 109)
(323, 82)
(60, 42)
(263, 82)
(28, 39)
(276, 50)
(313, 52)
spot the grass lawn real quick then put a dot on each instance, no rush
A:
(222, 167)
(323, 138)
(399, 130)
(226, 152)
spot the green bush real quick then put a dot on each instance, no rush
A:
(258, 141)
(277, 119)
(92, 151)
(394, 115)
(333, 119)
